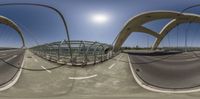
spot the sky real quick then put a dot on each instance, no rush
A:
(41, 25)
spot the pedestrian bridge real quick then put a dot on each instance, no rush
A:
(69, 52)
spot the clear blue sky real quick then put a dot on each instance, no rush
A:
(42, 25)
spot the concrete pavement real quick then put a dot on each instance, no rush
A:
(113, 81)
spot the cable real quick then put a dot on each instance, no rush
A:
(147, 41)
(186, 39)
(195, 35)
(177, 36)
(168, 39)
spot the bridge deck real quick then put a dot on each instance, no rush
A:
(110, 79)
(169, 71)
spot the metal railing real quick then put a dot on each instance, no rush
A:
(83, 52)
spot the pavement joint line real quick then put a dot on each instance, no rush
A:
(80, 78)
(11, 58)
(46, 69)
(111, 66)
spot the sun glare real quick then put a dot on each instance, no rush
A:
(99, 18)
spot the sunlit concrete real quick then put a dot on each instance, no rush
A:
(136, 25)
(111, 83)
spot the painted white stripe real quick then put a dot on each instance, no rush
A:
(3, 54)
(119, 58)
(8, 50)
(15, 79)
(111, 66)
(46, 69)
(11, 58)
(156, 89)
(87, 77)
(192, 59)
(36, 60)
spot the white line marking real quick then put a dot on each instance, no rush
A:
(119, 58)
(3, 54)
(9, 50)
(191, 59)
(79, 78)
(14, 80)
(111, 66)
(46, 69)
(11, 58)
(36, 60)
(156, 89)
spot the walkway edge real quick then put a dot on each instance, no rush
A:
(14, 80)
(156, 89)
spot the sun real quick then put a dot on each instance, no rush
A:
(99, 18)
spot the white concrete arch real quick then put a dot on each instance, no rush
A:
(185, 18)
(12, 24)
(137, 22)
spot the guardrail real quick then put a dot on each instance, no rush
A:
(83, 52)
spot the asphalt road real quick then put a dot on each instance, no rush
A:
(10, 62)
(168, 70)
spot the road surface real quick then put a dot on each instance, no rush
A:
(111, 79)
(8, 60)
(168, 70)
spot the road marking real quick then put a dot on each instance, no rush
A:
(3, 54)
(111, 66)
(191, 59)
(119, 58)
(36, 60)
(80, 78)
(46, 69)
(11, 58)
(9, 50)
(15, 79)
(156, 89)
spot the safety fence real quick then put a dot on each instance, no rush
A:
(77, 53)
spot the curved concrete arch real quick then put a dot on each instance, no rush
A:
(136, 25)
(185, 18)
(12, 24)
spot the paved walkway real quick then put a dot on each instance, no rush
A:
(110, 79)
